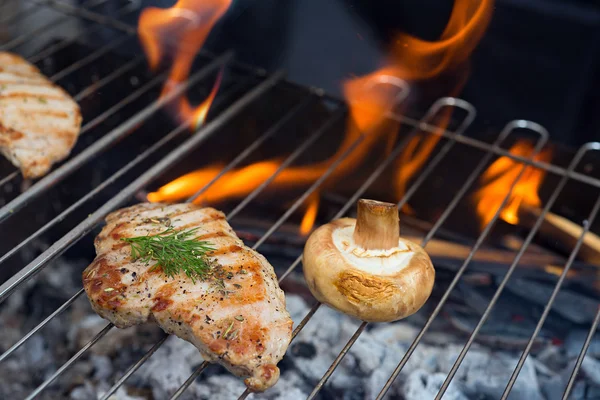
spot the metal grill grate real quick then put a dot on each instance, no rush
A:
(92, 16)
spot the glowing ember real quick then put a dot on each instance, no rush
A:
(370, 98)
(183, 29)
(498, 178)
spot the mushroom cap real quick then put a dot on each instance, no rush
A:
(372, 285)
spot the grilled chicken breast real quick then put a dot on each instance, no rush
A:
(236, 318)
(39, 121)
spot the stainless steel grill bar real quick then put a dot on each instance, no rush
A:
(89, 15)
(566, 173)
(581, 356)
(415, 185)
(478, 144)
(51, 24)
(586, 227)
(288, 213)
(106, 141)
(363, 187)
(72, 360)
(352, 201)
(91, 88)
(480, 240)
(91, 57)
(337, 360)
(280, 221)
(269, 133)
(94, 55)
(554, 169)
(136, 94)
(132, 6)
(158, 79)
(508, 274)
(87, 225)
(305, 145)
(104, 115)
(39, 326)
(134, 368)
(19, 15)
(170, 136)
(471, 142)
(255, 144)
(400, 118)
(308, 191)
(109, 181)
(197, 372)
(122, 70)
(84, 227)
(9, 178)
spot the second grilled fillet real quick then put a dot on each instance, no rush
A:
(237, 319)
(39, 121)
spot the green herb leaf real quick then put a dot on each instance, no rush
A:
(175, 251)
(225, 334)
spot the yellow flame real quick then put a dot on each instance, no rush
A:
(308, 221)
(184, 27)
(497, 179)
(370, 98)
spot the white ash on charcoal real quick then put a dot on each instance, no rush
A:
(371, 360)
(574, 342)
(517, 312)
(169, 368)
(483, 373)
(62, 337)
(574, 307)
(361, 375)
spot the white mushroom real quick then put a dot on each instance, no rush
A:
(363, 268)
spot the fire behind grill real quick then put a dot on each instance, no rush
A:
(129, 145)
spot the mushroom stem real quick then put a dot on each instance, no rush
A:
(377, 225)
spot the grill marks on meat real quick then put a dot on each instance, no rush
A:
(39, 121)
(236, 318)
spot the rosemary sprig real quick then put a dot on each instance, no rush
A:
(175, 251)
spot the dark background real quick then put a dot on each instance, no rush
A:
(539, 59)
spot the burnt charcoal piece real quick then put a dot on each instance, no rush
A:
(304, 350)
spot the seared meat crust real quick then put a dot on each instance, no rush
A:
(39, 121)
(237, 317)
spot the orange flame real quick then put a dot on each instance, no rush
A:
(498, 178)
(424, 60)
(183, 28)
(308, 221)
(181, 187)
(419, 59)
(371, 98)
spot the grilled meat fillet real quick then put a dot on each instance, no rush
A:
(236, 317)
(39, 121)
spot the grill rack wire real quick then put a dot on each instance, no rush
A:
(86, 13)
